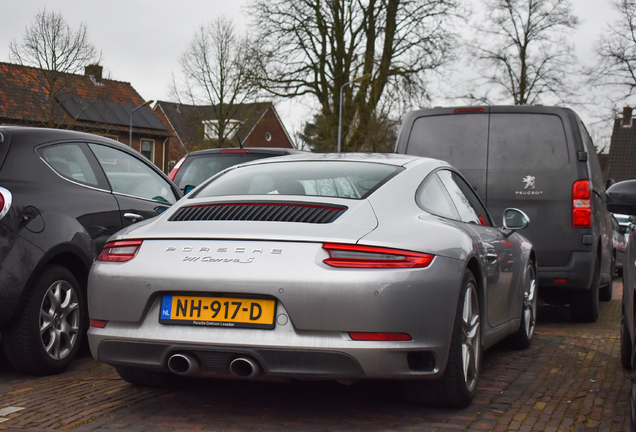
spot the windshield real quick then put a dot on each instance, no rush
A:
(342, 179)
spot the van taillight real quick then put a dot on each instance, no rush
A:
(581, 204)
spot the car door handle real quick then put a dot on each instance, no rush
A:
(491, 257)
(134, 217)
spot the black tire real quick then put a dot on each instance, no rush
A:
(626, 346)
(605, 292)
(632, 409)
(584, 304)
(47, 334)
(458, 386)
(146, 378)
(523, 337)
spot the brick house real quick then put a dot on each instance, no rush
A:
(253, 125)
(621, 161)
(86, 103)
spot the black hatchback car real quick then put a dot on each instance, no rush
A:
(62, 194)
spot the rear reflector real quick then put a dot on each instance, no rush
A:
(119, 251)
(356, 256)
(98, 323)
(560, 281)
(357, 336)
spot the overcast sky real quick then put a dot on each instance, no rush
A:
(142, 40)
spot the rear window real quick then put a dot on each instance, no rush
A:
(460, 139)
(342, 179)
(197, 169)
(527, 141)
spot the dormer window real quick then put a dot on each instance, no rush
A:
(211, 129)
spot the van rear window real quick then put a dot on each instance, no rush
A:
(527, 141)
(460, 139)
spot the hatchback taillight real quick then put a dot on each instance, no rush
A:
(356, 256)
(174, 171)
(581, 204)
(119, 251)
(5, 201)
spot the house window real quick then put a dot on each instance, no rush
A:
(268, 136)
(211, 129)
(147, 149)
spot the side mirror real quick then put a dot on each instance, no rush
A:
(515, 219)
(621, 198)
(188, 189)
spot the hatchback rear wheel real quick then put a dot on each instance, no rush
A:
(47, 334)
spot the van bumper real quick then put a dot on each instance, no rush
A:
(575, 275)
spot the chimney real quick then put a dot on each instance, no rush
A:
(627, 117)
(94, 71)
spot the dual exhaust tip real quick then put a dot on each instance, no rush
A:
(188, 365)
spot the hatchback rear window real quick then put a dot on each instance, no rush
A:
(342, 179)
(197, 169)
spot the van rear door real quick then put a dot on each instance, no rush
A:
(531, 167)
(458, 136)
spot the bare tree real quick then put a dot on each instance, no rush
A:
(616, 49)
(315, 48)
(50, 45)
(522, 51)
(215, 71)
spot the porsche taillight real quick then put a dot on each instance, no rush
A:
(119, 251)
(581, 204)
(356, 256)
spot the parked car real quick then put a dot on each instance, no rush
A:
(621, 198)
(196, 167)
(619, 239)
(542, 160)
(322, 266)
(62, 194)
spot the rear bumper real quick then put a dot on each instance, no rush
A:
(578, 273)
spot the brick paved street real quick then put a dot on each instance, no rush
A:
(570, 379)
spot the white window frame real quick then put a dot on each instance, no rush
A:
(211, 127)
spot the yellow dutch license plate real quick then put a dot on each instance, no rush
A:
(218, 311)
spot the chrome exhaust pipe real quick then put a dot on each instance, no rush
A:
(183, 364)
(244, 368)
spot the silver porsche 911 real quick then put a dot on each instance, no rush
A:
(340, 267)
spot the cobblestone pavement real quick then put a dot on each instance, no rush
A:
(570, 379)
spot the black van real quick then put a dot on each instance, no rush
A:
(542, 160)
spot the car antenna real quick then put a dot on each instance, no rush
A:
(239, 140)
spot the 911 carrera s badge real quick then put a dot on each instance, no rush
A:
(221, 254)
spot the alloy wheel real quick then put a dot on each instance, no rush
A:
(59, 320)
(471, 337)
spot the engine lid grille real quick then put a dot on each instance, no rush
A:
(270, 212)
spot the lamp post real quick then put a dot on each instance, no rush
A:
(357, 79)
(131, 116)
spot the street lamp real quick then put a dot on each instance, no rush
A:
(131, 116)
(357, 79)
